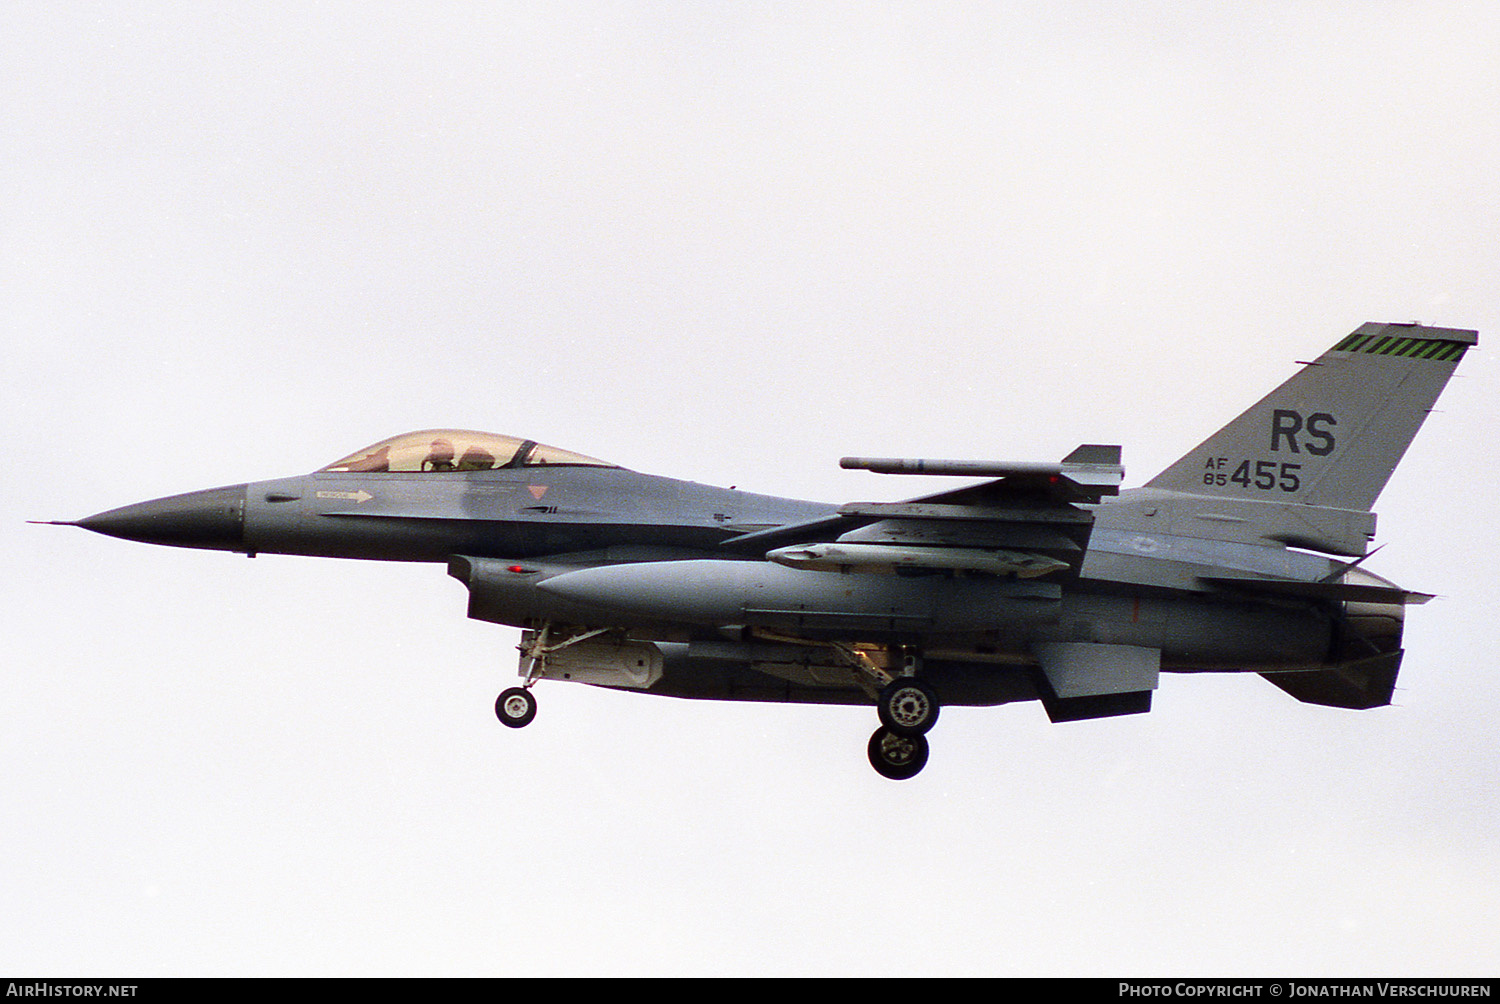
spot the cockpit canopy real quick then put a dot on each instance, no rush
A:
(442, 450)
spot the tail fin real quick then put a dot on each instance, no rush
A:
(1333, 433)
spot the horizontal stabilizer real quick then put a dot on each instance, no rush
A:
(1367, 683)
(1349, 592)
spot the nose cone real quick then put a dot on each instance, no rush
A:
(214, 518)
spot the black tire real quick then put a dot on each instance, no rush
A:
(897, 757)
(515, 707)
(908, 707)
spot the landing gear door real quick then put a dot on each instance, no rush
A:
(603, 662)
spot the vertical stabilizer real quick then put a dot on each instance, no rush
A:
(1333, 433)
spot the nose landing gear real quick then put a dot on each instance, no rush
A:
(516, 707)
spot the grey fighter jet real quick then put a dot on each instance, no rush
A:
(1042, 581)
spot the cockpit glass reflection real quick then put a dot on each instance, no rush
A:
(443, 450)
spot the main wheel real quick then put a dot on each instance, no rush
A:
(897, 757)
(515, 707)
(908, 707)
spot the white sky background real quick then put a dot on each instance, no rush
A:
(729, 243)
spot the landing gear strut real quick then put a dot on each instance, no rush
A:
(516, 707)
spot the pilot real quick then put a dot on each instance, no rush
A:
(476, 459)
(439, 456)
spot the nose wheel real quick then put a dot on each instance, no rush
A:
(515, 707)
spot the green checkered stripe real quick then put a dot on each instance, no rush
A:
(1407, 348)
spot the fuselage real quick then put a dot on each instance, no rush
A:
(605, 545)
(521, 513)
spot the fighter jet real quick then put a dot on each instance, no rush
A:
(1039, 582)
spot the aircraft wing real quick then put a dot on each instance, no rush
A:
(1024, 521)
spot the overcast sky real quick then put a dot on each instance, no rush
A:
(728, 243)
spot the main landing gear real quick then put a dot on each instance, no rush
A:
(908, 706)
(897, 757)
(908, 709)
